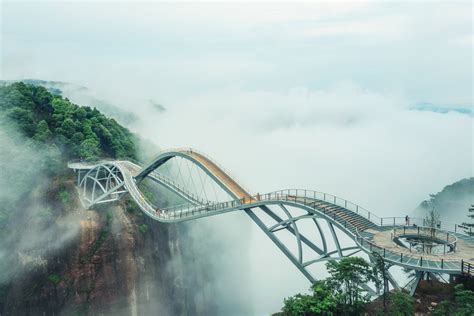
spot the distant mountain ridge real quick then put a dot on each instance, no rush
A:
(452, 202)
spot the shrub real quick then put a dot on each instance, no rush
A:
(143, 228)
(55, 279)
(64, 196)
(402, 304)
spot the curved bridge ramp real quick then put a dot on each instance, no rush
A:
(329, 215)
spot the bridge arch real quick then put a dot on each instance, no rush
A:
(113, 178)
(214, 171)
(101, 184)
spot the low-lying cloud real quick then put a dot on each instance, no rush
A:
(367, 146)
(29, 236)
(315, 96)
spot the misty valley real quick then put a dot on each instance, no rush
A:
(236, 158)
(111, 231)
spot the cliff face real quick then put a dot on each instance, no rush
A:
(58, 259)
(118, 262)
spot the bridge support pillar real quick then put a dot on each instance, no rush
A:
(416, 281)
(279, 244)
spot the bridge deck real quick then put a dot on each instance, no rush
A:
(364, 227)
(230, 183)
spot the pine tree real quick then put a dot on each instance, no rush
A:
(471, 225)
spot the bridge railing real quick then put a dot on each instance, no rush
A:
(309, 198)
(292, 195)
(309, 194)
(187, 210)
(227, 172)
(330, 198)
(418, 221)
(168, 181)
(408, 259)
(467, 268)
(306, 196)
(93, 163)
(427, 233)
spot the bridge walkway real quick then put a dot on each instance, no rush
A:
(363, 226)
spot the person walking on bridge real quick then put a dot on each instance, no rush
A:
(407, 221)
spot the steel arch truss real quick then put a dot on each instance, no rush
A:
(309, 248)
(104, 183)
(275, 213)
(200, 162)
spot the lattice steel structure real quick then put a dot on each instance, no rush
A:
(284, 210)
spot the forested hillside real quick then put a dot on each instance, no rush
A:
(452, 202)
(56, 258)
(76, 131)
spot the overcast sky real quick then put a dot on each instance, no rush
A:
(367, 100)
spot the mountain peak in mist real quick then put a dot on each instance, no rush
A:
(452, 202)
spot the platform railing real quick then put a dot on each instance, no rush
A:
(418, 221)
(184, 211)
(291, 195)
(448, 240)
(309, 198)
(299, 193)
(467, 268)
(408, 259)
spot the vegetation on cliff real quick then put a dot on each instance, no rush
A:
(59, 259)
(461, 304)
(452, 202)
(340, 294)
(45, 130)
(39, 133)
(75, 131)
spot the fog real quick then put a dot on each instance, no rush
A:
(23, 167)
(317, 96)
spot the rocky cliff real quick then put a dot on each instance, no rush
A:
(56, 258)
(115, 261)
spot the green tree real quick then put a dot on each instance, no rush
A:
(470, 214)
(51, 160)
(381, 271)
(348, 276)
(68, 128)
(53, 119)
(326, 300)
(462, 305)
(55, 279)
(143, 228)
(298, 305)
(89, 149)
(340, 294)
(432, 219)
(24, 119)
(43, 134)
(464, 300)
(402, 304)
(321, 301)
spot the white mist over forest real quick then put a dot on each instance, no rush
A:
(330, 97)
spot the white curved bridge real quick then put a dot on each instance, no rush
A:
(107, 181)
